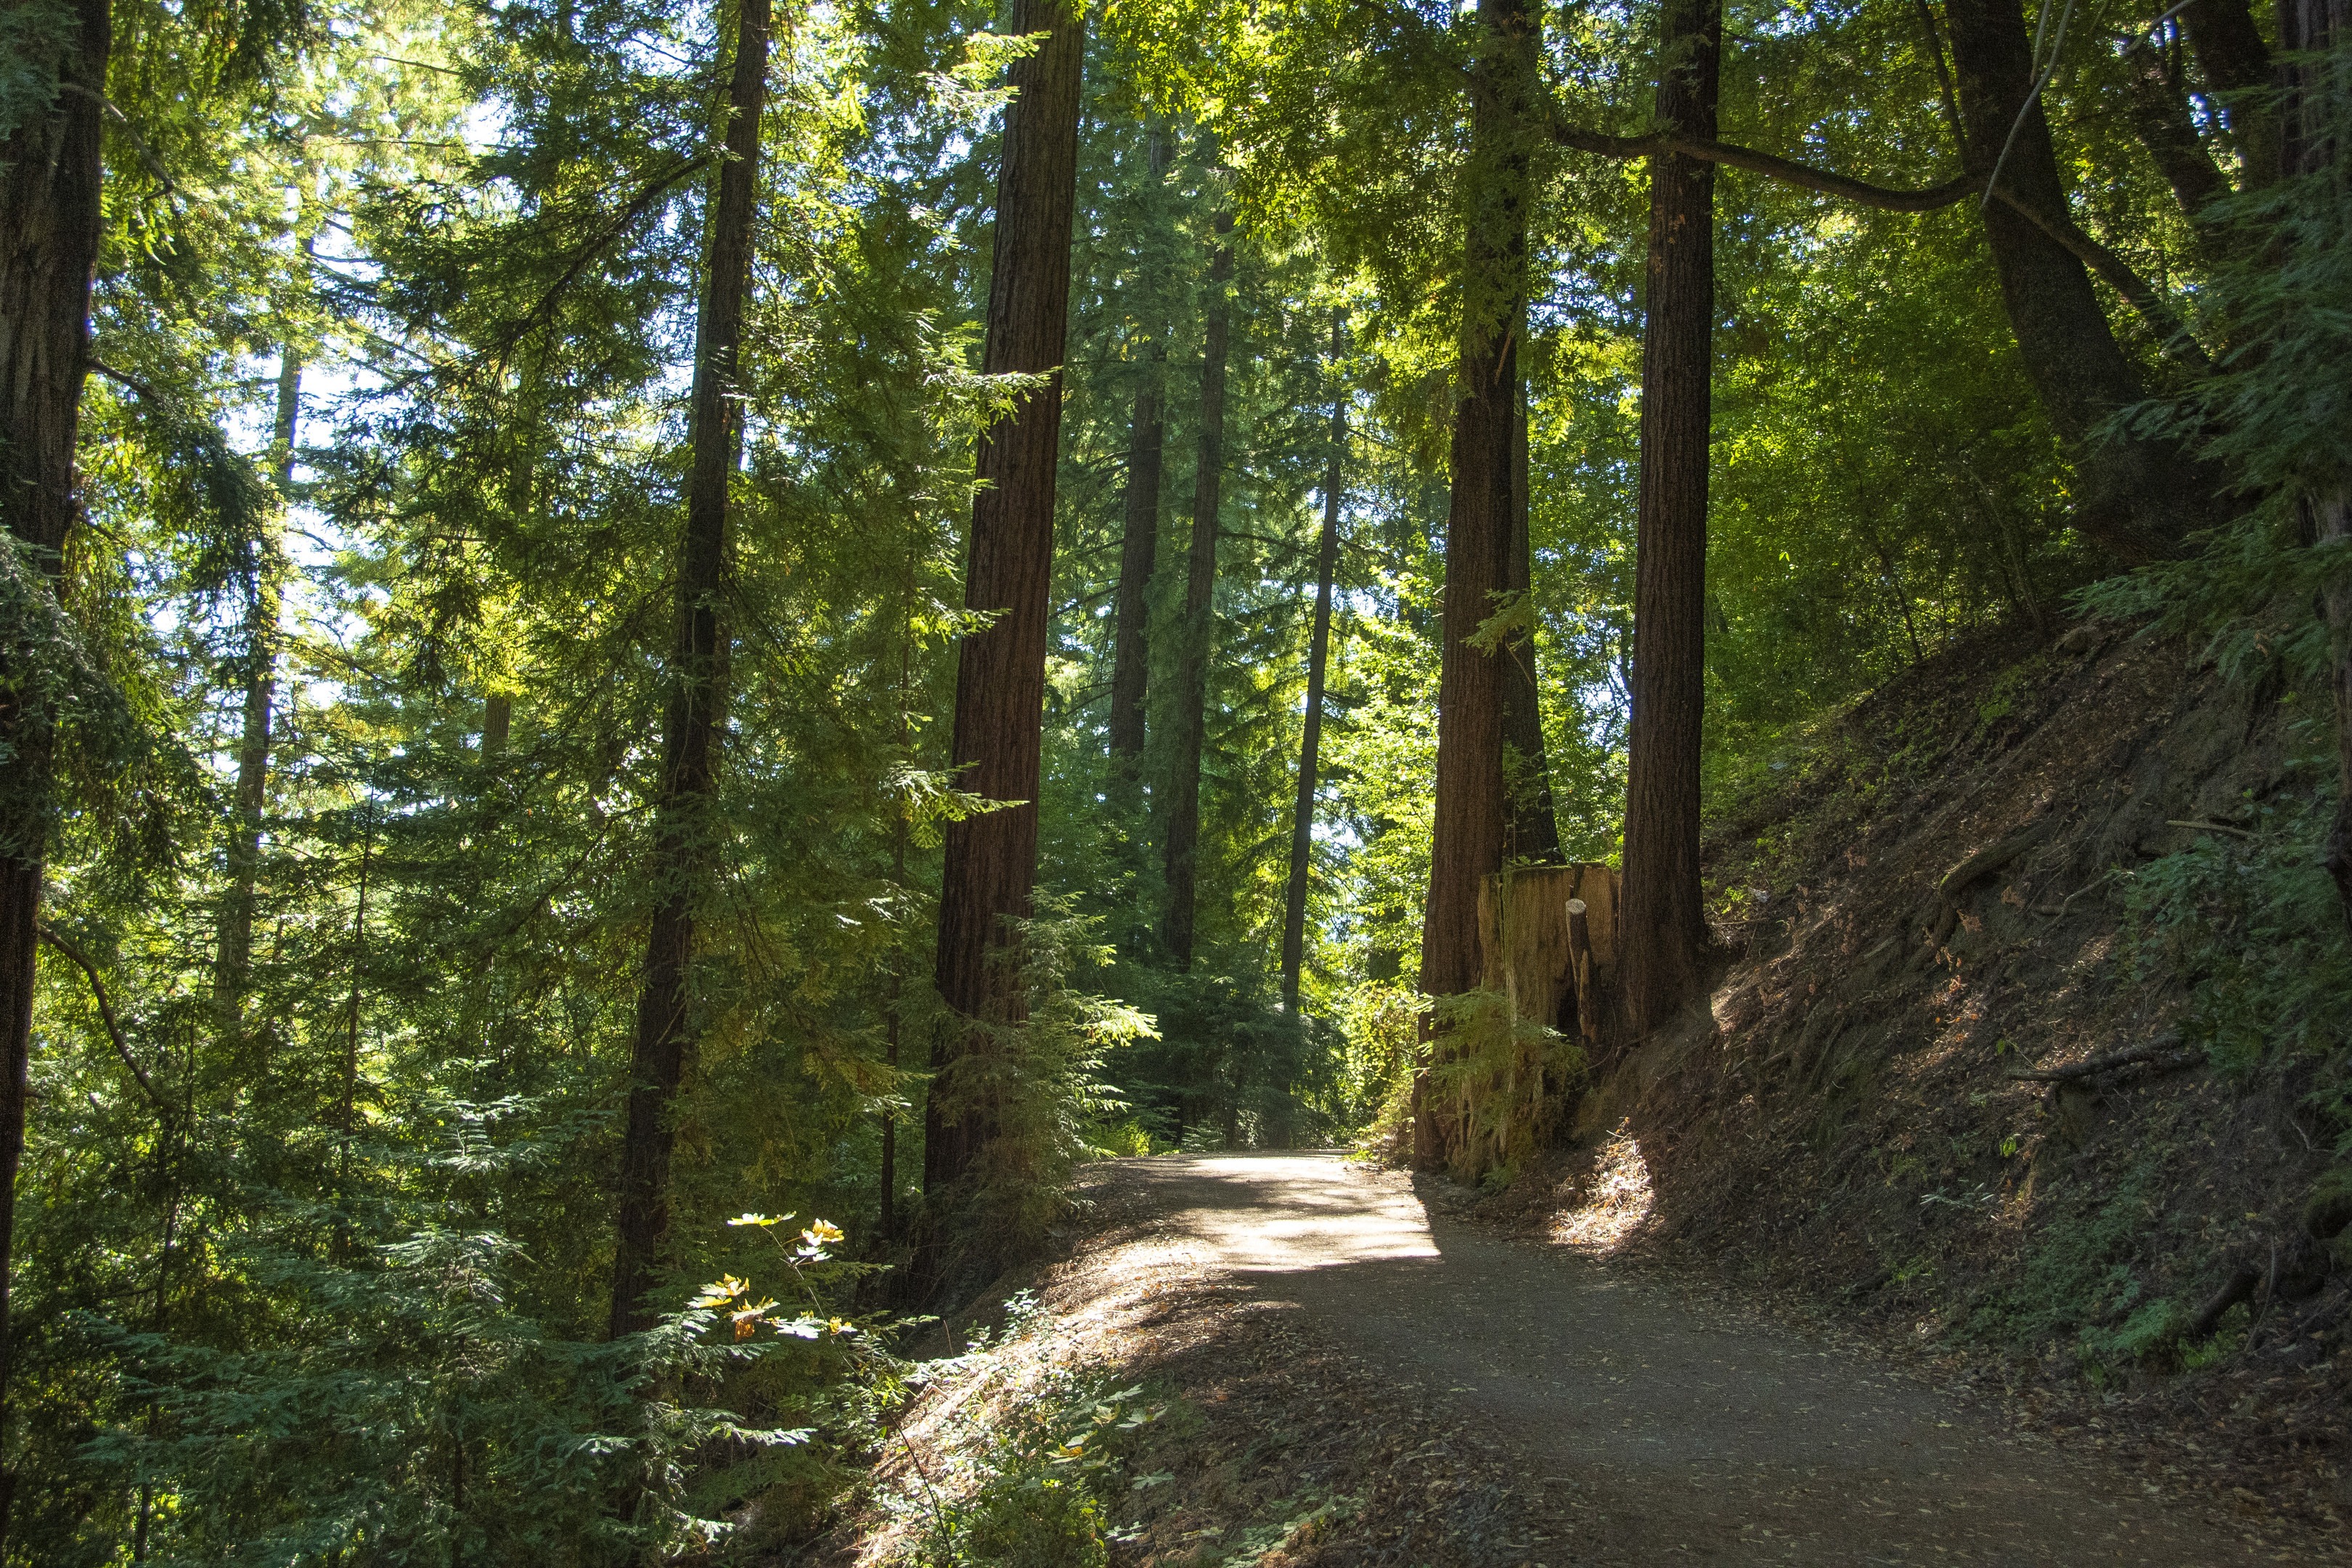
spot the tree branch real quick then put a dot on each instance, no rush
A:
(106, 1012)
(2168, 328)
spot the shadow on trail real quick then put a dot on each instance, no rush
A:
(1653, 1427)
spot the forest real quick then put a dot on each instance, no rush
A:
(661, 663)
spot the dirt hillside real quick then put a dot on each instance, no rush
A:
(1954, 1084)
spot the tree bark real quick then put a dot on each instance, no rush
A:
(2237, 65)
(1466, 846)
(2137, 496)
(51, 219)
(233, 950)
(697, 698)
(1319, 648)
(1663, 924)
(992, 859)
(1196, 635)
(2160, 118)
(1534, 835)
(1139, 551)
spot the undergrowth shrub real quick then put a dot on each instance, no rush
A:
(1380, 1028)
(1501, 1074)
(1038, 1081)
(2249, 919)
(420, 1415)
(1026, 1470)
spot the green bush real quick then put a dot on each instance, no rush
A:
(1036, 1521)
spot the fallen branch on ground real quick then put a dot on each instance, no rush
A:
(2164, 1054)
(2239, 1286)
(1986, 861)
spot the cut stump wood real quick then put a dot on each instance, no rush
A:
(1549, 933)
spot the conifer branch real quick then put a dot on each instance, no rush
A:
(106, 1012)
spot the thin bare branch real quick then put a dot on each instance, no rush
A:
(106, 1012)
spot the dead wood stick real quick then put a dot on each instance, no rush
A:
(1991, 858)
(2164, 1053)
(2235, 1288)
(2210, 827)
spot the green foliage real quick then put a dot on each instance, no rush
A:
(1036, 1458)
(2251, 919)
(1036, 1082)
(1499, 1076)
(2082, 1282)
(414, 1412)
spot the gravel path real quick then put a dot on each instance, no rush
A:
(1655, 1430)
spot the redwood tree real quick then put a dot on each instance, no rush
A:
(2136, 494)
(1196, 633)
(1466, 846)
(1661, 926)
(49, 226)
(1319, 650)
(1138, 548)
(696, 677)
(233, 956)
(1533, 833)
(991, 858)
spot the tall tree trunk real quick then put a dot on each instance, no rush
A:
(697, 694)
(2312, 117)
(233, 950)
(1196, 635)
(1139, 549)
(49, 226)
(1470, 802)
(992, 859)
(2161, 120)
(1534, 834)
(1662, 924)
(2137, 496)
(498, 723)
(1319, 650)
(2237, 65)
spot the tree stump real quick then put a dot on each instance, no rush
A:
(1548, 936)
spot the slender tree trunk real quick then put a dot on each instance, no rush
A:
(1196, 635)
(1319, 650)
(49, 226)
(1139, 551)
(347, 1104)
(697, 694)
(1534, 834)
(992, 859)
(2332, 519)
(1472, 804)
(498, 723)
(2137, 496)
(1662, 925)
(233, 951)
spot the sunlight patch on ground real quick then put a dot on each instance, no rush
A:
(1349, 1219)
(1609, 1204)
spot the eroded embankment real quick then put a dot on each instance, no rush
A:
(1940, 898)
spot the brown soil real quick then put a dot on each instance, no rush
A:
(1482, 1399)
(1841, 1133)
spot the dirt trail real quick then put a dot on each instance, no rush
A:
(1655, 1429)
